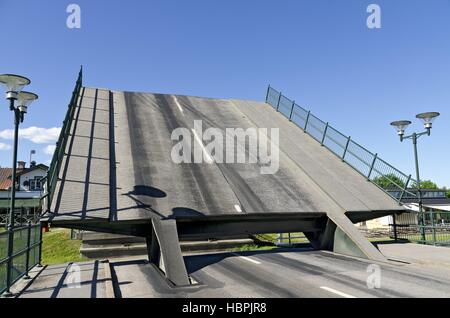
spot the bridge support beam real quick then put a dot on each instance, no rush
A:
(340, 235)
(164, 251)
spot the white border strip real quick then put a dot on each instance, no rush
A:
(248, 259)
(337, 292)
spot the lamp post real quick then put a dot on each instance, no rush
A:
(401, 125)
(14, 85)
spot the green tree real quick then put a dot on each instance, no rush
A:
(389, 181)
(426, 184)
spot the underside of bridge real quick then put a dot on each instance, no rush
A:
(117, 176)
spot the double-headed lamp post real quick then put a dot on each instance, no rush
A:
(401, 125)
(14, 85)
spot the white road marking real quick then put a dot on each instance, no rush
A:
(208, 157)
(337, 292)
(248, 259)
(238, 208)
(178, 104)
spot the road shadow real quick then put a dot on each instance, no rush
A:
(388, 242)
(148, 191)
(140, 195)
(185, 212)
(197, 262)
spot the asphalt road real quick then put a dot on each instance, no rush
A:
(286, 273)
(308, 175)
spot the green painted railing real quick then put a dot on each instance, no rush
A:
(20, 251)
(370, 165)
(55, 166)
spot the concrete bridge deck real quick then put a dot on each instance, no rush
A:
(118, 176)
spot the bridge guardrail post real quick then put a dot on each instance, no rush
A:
(372, 166)
(404, 190)
(47, 184)
(10, 260)
(346, 148)
(324, 134)
(433, 226)
(267, 94)
(292, 110)
(306, 121)
(279, 100)
(39, 264)
(27, 263)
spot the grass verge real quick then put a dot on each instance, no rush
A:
(58, 248)
(267, 242)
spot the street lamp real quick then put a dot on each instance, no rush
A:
(13, 85)
(24, 100)
(427, 119)
(401, 125)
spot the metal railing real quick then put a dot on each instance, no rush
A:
(289, 239)
(21, 217)
(55, 166)
(20, 251)
(368, 164)
(431, 227)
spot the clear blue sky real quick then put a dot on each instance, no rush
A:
(319, 53)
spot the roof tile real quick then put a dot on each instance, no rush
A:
(5, 178)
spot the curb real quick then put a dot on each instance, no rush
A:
(109, 288)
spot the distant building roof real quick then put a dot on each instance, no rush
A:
(39, 166)
(5, 175)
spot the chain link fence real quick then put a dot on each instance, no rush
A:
(431, 228)
(375, 169)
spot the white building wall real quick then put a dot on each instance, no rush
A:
(30, 176)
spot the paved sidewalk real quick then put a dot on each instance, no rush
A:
(72, 280)
(417, 253)
(430, 260)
